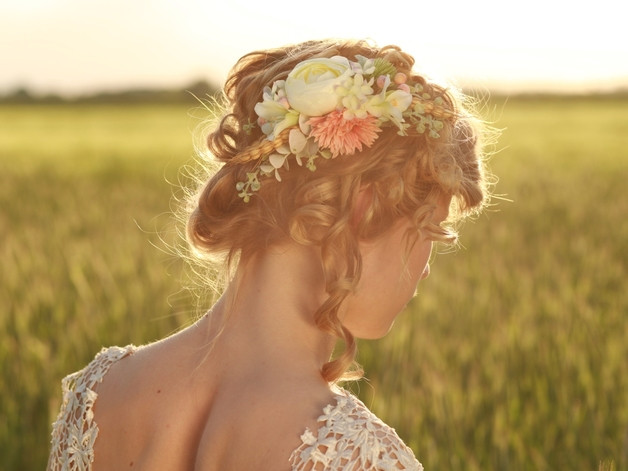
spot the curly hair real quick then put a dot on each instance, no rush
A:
(407, 176)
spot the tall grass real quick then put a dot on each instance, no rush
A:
(83, 192)
(513, 356)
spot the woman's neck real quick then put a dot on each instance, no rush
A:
(266, 314)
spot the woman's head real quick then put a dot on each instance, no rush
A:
(329, 143)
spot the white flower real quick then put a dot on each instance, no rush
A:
(310, 87)
(301, 146)
(397, 101)
(275, 161)
(275, 118)
(364, 65)
(274, 112)
(355, 92)
(389, 106)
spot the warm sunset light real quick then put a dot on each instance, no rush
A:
(69, 46)
(126, 179)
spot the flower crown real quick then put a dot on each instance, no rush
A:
(328, 107)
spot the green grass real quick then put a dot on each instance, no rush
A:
(513, 356)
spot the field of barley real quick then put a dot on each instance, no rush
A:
(514, 355)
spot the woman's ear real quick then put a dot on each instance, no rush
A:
(363, 202)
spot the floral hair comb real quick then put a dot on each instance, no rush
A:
(328, 107)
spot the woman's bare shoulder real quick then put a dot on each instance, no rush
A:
(265, 423)
(140, 402)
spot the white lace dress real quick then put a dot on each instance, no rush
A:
(349, 436)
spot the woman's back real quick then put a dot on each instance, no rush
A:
(167, 407)
(157, 407)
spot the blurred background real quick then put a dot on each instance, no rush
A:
(73, 47)
(514, 354)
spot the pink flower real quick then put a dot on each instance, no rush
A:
(343, 136)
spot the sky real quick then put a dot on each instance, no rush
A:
(73, 47)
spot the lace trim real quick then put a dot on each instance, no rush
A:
(351, 437)
(75, 431)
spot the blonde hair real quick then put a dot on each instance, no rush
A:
(406, 175)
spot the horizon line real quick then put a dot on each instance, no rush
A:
(491, 86)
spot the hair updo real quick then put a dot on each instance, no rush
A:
(407, 176)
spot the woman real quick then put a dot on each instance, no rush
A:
(341, 167)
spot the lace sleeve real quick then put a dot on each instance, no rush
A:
(352, 438)
(74, 432)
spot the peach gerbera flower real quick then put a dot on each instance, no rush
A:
(343, 136)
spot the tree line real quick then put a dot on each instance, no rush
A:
(200, 89)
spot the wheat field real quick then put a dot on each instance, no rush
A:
(514, 355)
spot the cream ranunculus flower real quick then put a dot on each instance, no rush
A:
(310, 87)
